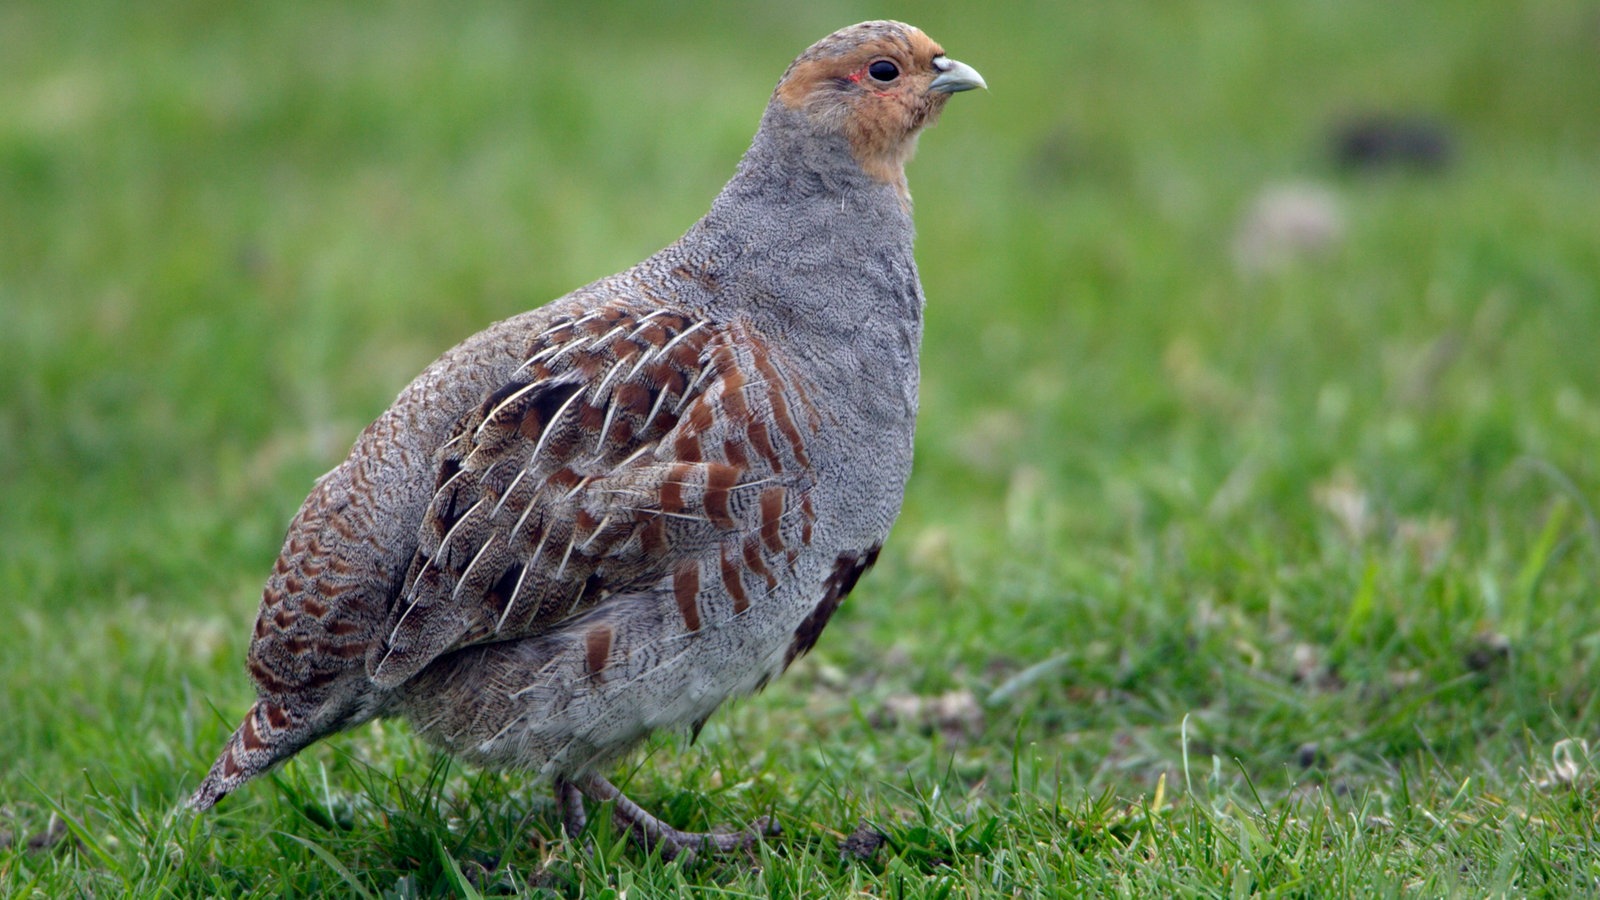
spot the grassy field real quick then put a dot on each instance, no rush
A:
(1216, 577)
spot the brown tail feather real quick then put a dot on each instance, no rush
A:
(266, 737)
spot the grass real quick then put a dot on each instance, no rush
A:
(1210, 582)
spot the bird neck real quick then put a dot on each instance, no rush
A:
(802, 234)
(794, 158)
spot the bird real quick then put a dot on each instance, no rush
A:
(612, 513)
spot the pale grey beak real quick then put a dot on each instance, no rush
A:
(955, 77)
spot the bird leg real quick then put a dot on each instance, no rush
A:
(650, 832)
(570, 799)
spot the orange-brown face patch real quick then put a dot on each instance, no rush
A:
(832, 84)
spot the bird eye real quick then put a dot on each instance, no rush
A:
(883, 70)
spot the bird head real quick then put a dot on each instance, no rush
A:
(877, 84)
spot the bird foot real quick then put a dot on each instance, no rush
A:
(647, 830)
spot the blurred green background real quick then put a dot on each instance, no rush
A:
(1213, 425)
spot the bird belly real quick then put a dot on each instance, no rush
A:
(574, 698)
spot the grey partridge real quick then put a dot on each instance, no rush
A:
(612, 513)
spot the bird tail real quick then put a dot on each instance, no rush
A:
(267, 736)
